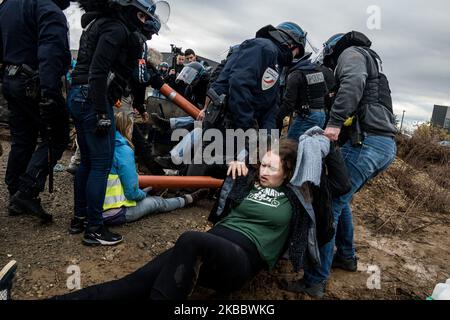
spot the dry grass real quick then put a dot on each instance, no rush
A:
(422, 148)
(423, 153)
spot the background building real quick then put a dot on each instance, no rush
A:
(441, 117)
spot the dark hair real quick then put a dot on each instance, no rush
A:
(287, 151)
(188, 52)
(288, 155)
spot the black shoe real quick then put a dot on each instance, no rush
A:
(77, 225)
(161, 123)
(167, 163)
(350, 265)
(199, 194)
(29, 205)
(6, 278)
(101, 236)
(14, 210)
(301, 286)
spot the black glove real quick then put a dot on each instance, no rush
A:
(155, 80)
(103, 124)
(48, 108)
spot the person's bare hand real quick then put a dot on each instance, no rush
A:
(237, 169)
(145, 116)
(332, 133)
(201, 115)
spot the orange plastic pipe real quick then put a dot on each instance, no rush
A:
(169, 182)
(179, 100)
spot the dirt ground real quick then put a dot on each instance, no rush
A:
(410, 247)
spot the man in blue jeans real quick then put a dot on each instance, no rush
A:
(364, 95)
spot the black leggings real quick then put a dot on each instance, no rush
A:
(221, 259)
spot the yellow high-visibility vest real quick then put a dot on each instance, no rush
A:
(115, 195)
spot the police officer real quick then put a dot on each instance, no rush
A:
(363, 104)
(307, 85)
(250, 78)
(36, 55)
(163, 69)
(110, 51)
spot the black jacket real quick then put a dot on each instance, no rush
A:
(295, 94)
(250, 79)
(107, 46)
(34, 32)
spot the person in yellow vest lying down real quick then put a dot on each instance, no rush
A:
(124, 201)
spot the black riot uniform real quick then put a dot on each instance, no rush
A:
(35, 55)
(307, 85)
(111, 49)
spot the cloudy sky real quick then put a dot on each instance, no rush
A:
(412, 37)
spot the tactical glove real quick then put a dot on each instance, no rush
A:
(156, 81)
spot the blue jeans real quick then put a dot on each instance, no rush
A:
(153, 205)
(97, 153)
(181, 122)
(363, 163)
(301, 125)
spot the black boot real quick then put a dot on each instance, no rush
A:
(161, 123)
(14, 209)
(77, 225)
(301, 286)
(29, 205)
(350, 265)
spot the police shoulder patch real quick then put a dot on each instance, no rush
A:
(269, 79)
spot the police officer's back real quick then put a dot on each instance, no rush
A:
(36, 55)
(250, 77)
(307, 85)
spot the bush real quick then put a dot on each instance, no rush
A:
(423, 148)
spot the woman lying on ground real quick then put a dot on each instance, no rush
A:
(124, 201)
(257, 217)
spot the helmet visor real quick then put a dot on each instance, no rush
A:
(188, 75)
(159, 10)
